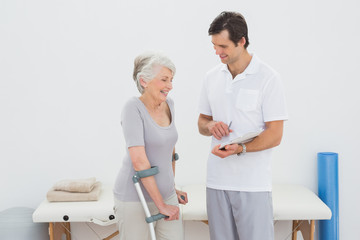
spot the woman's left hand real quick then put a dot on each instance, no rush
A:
(182, 197)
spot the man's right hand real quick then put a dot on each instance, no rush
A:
(218, 129)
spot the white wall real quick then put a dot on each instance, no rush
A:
(65, 73)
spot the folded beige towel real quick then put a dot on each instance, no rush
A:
(75, 185)
(63, 196)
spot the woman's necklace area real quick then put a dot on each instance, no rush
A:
(150, 107)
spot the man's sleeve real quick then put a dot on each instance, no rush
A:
(274, 104)
(204, 105)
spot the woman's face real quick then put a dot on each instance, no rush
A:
(160, 85)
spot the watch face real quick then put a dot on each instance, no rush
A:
(176, 156)
(244, 148)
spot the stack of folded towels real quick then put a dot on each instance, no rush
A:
(75, 190)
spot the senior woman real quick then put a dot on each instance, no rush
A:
(150, 134)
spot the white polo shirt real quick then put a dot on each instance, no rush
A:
(248, 101)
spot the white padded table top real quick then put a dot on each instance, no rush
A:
(98, 212)
(195, 209)
(290, 202)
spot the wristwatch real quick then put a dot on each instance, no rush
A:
(175, 157)
(243, 149)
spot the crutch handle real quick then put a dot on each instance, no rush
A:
(155, 218)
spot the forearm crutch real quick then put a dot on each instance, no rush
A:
(149, 219)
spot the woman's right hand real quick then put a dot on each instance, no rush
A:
(171, 211)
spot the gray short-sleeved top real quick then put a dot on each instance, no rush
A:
(141, 130)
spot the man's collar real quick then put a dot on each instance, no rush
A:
(250, 69)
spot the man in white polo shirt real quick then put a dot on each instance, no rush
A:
(247, 94)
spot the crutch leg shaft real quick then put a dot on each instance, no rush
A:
(149, 219)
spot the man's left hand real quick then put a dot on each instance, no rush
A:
(229, 150)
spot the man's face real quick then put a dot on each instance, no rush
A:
(225, 48)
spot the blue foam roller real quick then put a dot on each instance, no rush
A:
(328, 188)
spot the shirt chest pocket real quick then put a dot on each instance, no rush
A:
(247, 99)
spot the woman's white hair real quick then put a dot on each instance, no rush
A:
(145, 67)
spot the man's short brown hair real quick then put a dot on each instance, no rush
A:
(234, 23)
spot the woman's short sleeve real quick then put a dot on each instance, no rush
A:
(132, 124)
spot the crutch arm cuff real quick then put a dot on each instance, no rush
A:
(145, 173)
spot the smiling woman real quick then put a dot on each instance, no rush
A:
(147, 66)
(156, 90)
(148, 124)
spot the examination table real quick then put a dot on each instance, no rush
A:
(290, 202)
